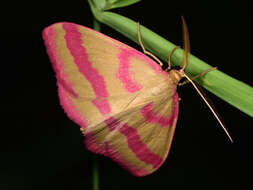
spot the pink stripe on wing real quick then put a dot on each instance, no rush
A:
(126, 75)
(124, 72)
(92, 144)
(152, 117)
(140, 149)
(115, 155)
(74, 43)
(112, 123)
(70, 109)
(50, 36)
(111, 152)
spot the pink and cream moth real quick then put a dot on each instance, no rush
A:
(125, 104)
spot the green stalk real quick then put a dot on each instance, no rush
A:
(95, 174)
(96, 25)
(222, 85)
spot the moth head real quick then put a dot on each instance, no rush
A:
(176, 75)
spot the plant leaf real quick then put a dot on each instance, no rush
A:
(99, 4)
(112, 4)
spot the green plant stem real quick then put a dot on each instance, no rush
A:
(96, 25)
(95, 174)
(227, 88)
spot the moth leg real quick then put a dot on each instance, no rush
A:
(169, 60)
(143, 48)
(198, 75)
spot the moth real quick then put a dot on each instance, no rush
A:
(125, 104)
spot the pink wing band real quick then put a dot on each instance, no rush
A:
(72, 113)
(74, 43)
(115, 155)
(134, 142)
(124, 74)
(49, 36)
(151, 117)
(138, 147)
(111, 152)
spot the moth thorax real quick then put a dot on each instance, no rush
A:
(176, 75)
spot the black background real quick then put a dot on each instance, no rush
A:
(42, 149)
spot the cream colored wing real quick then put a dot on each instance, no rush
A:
(125, 104)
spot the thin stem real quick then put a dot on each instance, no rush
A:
(95, 175)
(96, 25)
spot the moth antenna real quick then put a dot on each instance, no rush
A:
(186, 46)
(170, 57)
(210, 107)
